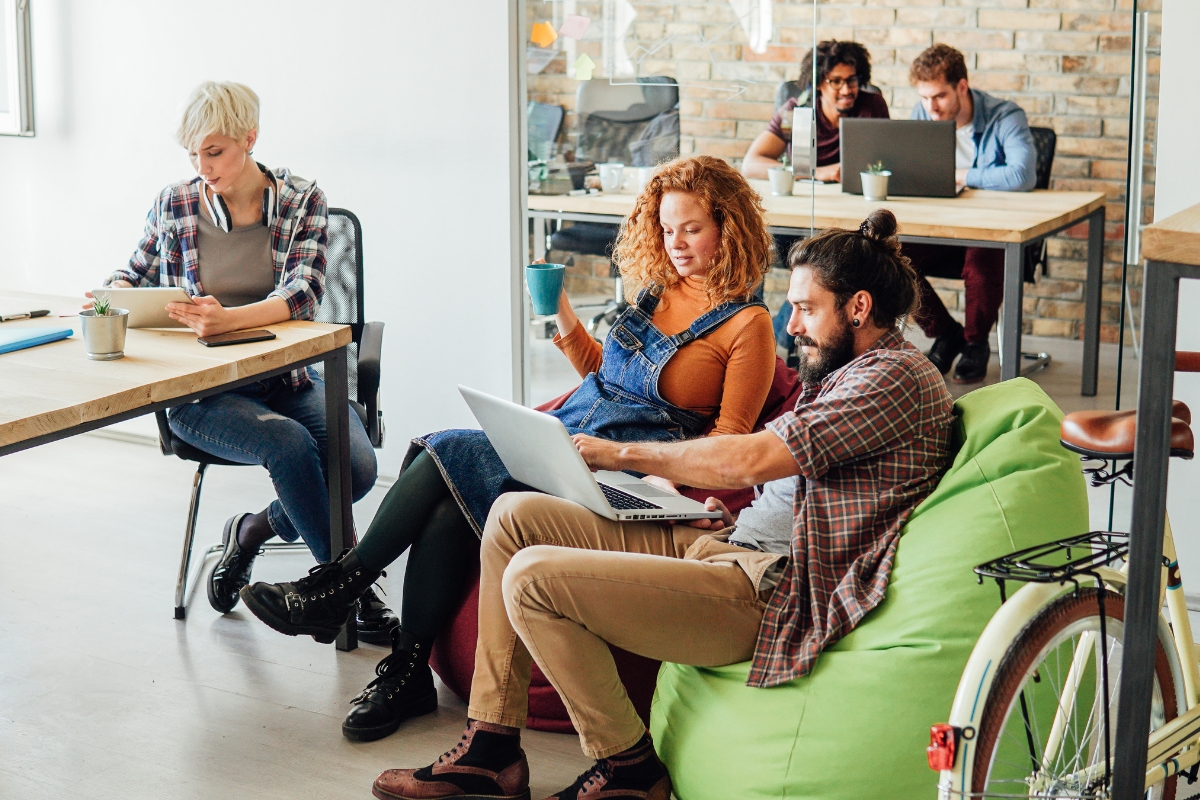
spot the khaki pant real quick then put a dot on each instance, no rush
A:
(667, 592)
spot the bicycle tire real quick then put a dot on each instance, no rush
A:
(1023, 661)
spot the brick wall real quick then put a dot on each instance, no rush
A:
(1066, 62)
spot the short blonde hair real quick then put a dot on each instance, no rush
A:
(228, 108)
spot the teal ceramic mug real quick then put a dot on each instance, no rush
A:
(545, 282)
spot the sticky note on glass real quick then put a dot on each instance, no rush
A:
(583, 67)
(574, 25)
(543, 34)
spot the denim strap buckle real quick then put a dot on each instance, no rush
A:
(685, 337)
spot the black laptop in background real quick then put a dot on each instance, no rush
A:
(919, 154)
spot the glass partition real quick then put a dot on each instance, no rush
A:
(615, 81)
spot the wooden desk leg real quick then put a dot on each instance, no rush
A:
(1091, 305)
(1014, 287)
(337, 427)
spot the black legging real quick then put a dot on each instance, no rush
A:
(419, 512)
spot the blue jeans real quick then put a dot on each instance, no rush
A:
(269, 424)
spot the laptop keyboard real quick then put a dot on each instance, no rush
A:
(624, 501)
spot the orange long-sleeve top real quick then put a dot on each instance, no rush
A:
(726, 373)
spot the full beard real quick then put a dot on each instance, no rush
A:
(831, 356)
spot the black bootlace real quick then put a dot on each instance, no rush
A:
(389, 677)
(600, 771)
(238, 565)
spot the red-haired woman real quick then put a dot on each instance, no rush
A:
(692, 348)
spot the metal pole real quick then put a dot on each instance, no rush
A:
(1156, 377)
(337, 454)
(1014, 287)
(1091, 306)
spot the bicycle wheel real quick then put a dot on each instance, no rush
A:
(1037, 737)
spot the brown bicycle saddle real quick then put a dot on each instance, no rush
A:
(1110, 435)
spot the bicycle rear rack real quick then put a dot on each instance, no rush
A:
(1063, 561)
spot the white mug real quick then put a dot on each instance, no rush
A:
(643, 176)
(612, 174)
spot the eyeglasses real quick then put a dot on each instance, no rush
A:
(837, 83)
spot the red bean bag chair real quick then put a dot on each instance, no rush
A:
(453, 655)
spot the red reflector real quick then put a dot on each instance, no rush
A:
(943, 742)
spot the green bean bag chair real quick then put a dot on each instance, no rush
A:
(858, 724)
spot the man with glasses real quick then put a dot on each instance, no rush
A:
(843, 74)
(843, 78)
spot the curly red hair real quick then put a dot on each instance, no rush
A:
(744, 253)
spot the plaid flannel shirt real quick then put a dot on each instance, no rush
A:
(871, 441)
(168, 255)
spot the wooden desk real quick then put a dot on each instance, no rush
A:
(1171, 248)
(54, 391)
(976, 218)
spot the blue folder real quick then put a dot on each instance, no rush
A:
(30, 337)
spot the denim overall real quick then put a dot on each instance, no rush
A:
(621, 403)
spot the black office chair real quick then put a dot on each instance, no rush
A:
(342, 304)
(636, 124)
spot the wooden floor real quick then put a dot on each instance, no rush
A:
(104, 695)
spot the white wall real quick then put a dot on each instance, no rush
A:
(400, 111)
(1177, 187)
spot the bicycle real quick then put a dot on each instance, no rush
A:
(1035, 710)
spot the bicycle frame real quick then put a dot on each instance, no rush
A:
(1172, 748)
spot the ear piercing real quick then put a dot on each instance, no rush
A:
(855, 322)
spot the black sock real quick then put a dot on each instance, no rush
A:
(493, 750)
(253, 530)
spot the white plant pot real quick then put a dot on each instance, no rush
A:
(782, 180)
(874, 185)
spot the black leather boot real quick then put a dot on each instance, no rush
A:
(375, 620)
(946, 348)
(232, 572)
(403, 689)
(317, 605)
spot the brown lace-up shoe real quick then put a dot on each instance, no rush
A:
(486, 764)
(635, 774)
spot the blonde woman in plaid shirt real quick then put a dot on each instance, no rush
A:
(248, 244)
(865, 444)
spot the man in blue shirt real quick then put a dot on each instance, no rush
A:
(994, 150)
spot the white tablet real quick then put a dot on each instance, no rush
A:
(147, 306)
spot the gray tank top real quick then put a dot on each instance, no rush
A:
(237, 267)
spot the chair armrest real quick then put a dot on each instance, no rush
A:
(164, 433)
(370, 349)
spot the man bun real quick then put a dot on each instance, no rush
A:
(879, 225)
(869, 259)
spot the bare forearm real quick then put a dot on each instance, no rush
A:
(756, 166)
(713, 462)
(264, 312)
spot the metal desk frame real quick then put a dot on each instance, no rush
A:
(337, 422)
(1014, 285)
(1152, 448)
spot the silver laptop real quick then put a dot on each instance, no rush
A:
(537, 450)
(919, 154)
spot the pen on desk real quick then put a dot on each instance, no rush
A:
(26, 315)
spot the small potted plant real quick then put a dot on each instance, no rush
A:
(104, 330)
(782, 177)
(875, 181)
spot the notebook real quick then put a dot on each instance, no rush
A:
(30, 337)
